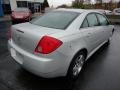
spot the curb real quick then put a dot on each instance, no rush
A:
(5, 18)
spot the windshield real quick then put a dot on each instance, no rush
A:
(118, 11)
(21, 10)
(56, 19)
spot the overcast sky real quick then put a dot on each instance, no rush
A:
(56, 3)
(59, 2)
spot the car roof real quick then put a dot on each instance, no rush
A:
(77, 10)
(71, 10)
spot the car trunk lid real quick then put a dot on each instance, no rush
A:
(27, 35)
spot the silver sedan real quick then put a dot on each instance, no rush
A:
(59, 42)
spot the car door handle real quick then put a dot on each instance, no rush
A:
(88, 34)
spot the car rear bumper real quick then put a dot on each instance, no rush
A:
(47, 67)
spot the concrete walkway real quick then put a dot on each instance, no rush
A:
(5, 18)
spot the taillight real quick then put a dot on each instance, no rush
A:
(9, 33)
(47, 45)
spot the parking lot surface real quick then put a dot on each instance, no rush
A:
(100, 72)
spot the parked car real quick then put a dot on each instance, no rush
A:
(116, 11)
(21, 15)
(59, 42)
(108, 12)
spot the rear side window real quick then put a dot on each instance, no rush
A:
(85, 24)
(92, 20)
(103, 21)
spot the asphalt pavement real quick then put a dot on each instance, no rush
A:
(100, 72)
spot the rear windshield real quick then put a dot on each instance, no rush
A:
(56, 19)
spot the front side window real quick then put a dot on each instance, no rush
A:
(85, 24)
(103, 21)
(92, 20)
(56, 19)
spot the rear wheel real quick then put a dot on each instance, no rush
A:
(76, 66)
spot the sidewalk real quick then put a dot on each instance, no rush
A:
(5, 18)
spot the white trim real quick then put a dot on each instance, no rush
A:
(13, 4)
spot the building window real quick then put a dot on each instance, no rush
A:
(22, 3)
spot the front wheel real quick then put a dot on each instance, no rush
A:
(76, 66)
(110, 38)
(108, 42)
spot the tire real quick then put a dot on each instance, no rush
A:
(29, 19)
(76, 66)
(108, 42)
(13, 22)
